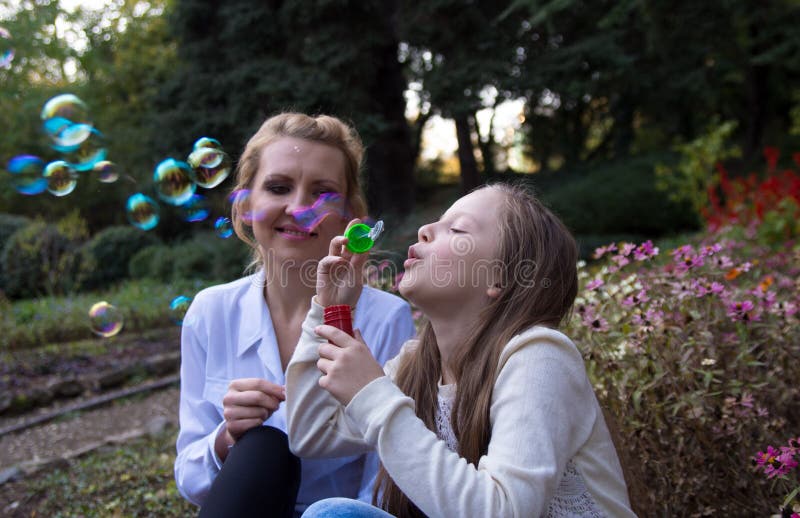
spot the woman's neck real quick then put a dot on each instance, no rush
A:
(288, 294)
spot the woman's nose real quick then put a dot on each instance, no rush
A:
(298, 201)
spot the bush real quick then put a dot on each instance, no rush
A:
(105, 257)
(695, 352)
(39, 259)
(619, 198)
(9, 223)
(203, 257)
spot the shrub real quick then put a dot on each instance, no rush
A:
(152, 262)
(39, 259)
(9, 223)
(105, 257)
(697, 351)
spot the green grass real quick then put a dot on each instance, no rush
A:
(144, 305)
(132, 479)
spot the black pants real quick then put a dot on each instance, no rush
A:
(260, 477)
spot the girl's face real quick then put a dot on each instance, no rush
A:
(455, 260)
(292, 174)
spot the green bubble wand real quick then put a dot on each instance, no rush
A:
(361, 238)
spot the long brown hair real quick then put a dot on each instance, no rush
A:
(323, 129)
(538, 258)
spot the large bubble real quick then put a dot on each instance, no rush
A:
(196, 209)
(26, 174)
(240, 199)
(106, 171)
(223, 227)
(327, 204)
(6, 48)
(61, 178)
(210, 166)
(142, 211)
(88, 153)
(105, 319)
(173, 181)
(178, 308)
(60, 114)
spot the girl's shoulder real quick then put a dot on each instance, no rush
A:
(540, 342)
(391, 367)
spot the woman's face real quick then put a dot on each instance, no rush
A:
(292, 174)
(455, 260)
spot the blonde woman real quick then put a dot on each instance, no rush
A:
(237, 339)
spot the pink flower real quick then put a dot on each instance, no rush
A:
(626, 249)
(682, 250)
(635, 300)
(620, 260)
(742, 311)
(594, 284)
(603, 250)
(645, 251)
(710, 250)
(599, 324)
(723, 262)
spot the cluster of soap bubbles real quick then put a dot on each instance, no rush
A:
(6, 48)
(82, 149)
(176, 182)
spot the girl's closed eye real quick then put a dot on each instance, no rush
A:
(455, 230)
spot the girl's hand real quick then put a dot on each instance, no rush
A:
(339, 274)
(346, 363)
(248, 403)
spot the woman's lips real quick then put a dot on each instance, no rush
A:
(294, 233)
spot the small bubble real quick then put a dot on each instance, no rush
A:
(88, 153)
(178, 308)
(105, 319)
(196, 209)
(173, 181)
(142, 211)
(106, 171)
(26, 174)
(240, 199)
(327, 204)
(210, 166)
(61, 178)
(223, 227)
(206, 142)
(60, 114)
(6, 48)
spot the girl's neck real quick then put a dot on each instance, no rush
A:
(451, 333)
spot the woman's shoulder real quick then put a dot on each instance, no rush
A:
(224, 294)
(373, 299)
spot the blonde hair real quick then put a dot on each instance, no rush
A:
(541, 293)
(323, 129)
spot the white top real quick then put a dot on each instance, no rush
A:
(228, 334)
(548, 436)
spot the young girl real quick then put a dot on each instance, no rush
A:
(237, 339)
(490, 413)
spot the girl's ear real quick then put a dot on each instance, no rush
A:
(494, 291)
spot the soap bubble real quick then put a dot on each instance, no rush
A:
(206, 142)
(66, 109)
(88, 153)
(196, 209)
(210, 166)
(142, 211)
(105, 319)
(26, 174)
(240, 199)
(178, 308)
(328, 203)
(223, 227)
(6, 48)
(61, 178)
(173, 181)
(68, 138)
(106, 171)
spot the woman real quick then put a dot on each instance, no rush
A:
(233, 457)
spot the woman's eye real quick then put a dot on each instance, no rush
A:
(277, 189)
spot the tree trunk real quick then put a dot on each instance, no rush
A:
(419, 127)
(466, 156)
(487, 147)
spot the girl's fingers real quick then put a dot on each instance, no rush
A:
(324, 365)
(328, 351)
(335, 336)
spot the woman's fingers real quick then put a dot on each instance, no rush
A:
(238, 413)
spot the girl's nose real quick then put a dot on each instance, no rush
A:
(424, 233)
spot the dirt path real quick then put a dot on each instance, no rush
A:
(89, 429)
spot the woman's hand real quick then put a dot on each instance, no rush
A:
(346, 363)
(339, 274)
(248, 403)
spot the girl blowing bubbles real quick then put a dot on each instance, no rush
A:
(490, 413)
